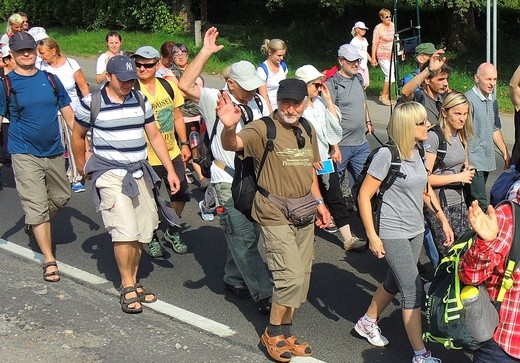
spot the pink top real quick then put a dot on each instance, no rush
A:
(383, 37)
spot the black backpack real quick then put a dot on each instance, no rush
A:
(441, 150)
(245, 181)
(393, 173)
(448, 321)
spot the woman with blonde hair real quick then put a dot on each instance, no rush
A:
(399, 236)
(361, 43)
(70, 74)
(382, 42)
(14, 25)
(272, 70)
(449, 175)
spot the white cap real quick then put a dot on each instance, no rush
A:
(5, 51)
(244, 73)
(349, 52)
(308, 73)
(361, 25)
(38, 33)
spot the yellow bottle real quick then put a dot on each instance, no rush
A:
(469, 293)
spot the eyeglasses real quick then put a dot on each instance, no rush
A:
(317, 85)
(300, 140)
(179, 55)
(145, 65)
(422, 123)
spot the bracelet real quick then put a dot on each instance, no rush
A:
(431, 71)
(89, 150)
(319, 201)
(185, 143)
(369, 122)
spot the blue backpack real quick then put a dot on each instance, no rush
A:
(502, 185)
(266, 70)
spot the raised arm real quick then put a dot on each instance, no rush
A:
(187, 82)
(230, 116)
(514, 89)
(436, 62)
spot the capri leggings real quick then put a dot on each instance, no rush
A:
(402, 256)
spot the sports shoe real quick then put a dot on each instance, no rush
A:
(208, 217)
(371, 332)
(77, 187)
(240, 291)
(176, 241)
(155, 248)
(354, 244)
(204, 183)
(264, 306)
(331, 228)
(426, 358)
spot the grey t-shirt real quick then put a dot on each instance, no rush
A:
(453, 161)
(402, 208)
(348, 94)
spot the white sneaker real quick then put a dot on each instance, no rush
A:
(205, 215)
(371, 332)
(426, 358)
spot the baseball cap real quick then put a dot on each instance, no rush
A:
(21, 40)
(360, 24)
(122, 67)
(244, 73)
(308, 73)
(147, 52)
(38, 33)
(425, 48)
(292, 88)
(349, 52)
(5, 51)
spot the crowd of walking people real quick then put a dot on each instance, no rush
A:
(134, 132)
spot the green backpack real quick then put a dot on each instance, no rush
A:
(450, 322)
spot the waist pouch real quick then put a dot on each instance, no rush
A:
(298, 211)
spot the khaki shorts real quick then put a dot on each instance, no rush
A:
(289, 253)
(127, 219)
(42, 185)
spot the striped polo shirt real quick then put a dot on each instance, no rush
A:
(118, 132)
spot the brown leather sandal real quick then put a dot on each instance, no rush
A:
(276, 347)
(47, 276)
(143, 294)
(298, 348)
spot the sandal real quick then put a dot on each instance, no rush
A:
(143, 294)
(126, 302)
(47, 276)
(298, 348)
(276, 347)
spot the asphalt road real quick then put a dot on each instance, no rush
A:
(341, 287)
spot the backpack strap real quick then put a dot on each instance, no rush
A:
(264, 67)
(95, 104)
(6, 83)
(167, 86)
(307, 126)
(513, 257)
(259, 102)
(441, 150)
(395, 169)
(269, 145)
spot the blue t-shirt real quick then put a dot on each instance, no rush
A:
(34, 126)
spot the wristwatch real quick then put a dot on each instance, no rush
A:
(319, 201)
(185, 143)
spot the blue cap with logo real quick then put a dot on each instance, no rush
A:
(122, 67)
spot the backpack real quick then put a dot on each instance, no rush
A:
(448, 320)
(95, 104)
(245, 180)
(206, 155)
(441, 150)
(502, 185)
(393, 173)
(9, 90)
(266, 70)
(164, 83)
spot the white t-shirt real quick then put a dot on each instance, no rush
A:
(65, 73)
(272, 82)
(208, 104)
(362, 46)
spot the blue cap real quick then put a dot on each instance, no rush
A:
(122, 67)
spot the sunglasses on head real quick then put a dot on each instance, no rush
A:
(145, 65)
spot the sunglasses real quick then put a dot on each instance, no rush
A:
(317, 85)
(422, 123)
(387, 17)
(300, 140)
(145, 65)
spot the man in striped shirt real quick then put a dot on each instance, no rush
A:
(122, 178)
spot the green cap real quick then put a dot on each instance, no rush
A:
(425, 48)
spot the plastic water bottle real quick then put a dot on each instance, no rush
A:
(194, 144)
